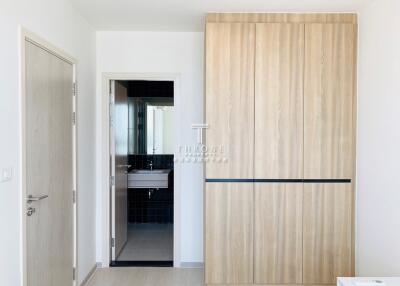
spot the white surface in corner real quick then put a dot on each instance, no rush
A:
(378, 184)
(368, 281)
(188, 15)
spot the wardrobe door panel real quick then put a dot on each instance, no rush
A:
(229, 233)
(327, 232)
(230, 99)
(329, 101)
(279, 101)
(278, 233)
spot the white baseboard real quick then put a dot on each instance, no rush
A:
(89, 275)
(192, 264)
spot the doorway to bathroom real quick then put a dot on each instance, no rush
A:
(141, 147)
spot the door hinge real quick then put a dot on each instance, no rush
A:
(74, 196)
(111, 116)
(112, 96)
(112, 242)
(112, 181)
(74, 117)
(74, 274)
(111, 106)
(74, 89)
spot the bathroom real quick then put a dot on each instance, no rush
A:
(142, 148)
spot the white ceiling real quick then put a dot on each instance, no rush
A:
(188, 15)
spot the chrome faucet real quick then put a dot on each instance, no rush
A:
(151, 165)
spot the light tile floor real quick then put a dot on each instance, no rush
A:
(148, 242)
(148, 276)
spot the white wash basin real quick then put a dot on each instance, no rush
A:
(141, 179)
(149, 171)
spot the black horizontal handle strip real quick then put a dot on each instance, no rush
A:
(332, 181)
(327, 181)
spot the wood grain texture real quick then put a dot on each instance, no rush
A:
(329, 100)
(229, 211)
(299, 238)
(279, 101)
(281, 18)
(230, 98)
(49, 167)
(278, 234)
(121, 161)
(354, 182)
(327, 232)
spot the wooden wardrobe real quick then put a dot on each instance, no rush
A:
(281, 106)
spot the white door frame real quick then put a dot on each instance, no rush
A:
(105, 158)
(26, 35)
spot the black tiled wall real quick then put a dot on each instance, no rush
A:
(150, 206)
(159, 161)
(146, 88)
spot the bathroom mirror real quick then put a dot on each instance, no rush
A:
(150, 125)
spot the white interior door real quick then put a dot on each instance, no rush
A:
(49, 168)
(119, 166)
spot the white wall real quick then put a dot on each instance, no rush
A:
(378, 202)
(57, 22)
(162, 52)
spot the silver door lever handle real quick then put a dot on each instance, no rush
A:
(31, 198)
